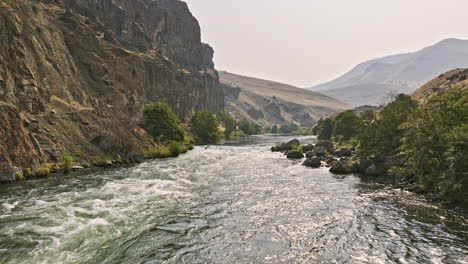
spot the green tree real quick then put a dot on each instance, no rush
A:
(250, 128)
(244, 126)
(204, 127)
(274, 129)
(380, 133)
(435, 145)
(227, 121)
(162, 123)
(324, 129)
(346, 125)
(288, 129)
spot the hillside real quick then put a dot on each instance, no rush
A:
(270, 103)
(455, 79)
(75, 75)
(369, 82)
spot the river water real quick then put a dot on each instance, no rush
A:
(233, 203)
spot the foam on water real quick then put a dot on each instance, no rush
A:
(223, 204)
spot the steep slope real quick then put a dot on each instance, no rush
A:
(368, 82)
(455, 79)
(271, 103)
(76, 71)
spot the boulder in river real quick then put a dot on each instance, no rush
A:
(294, 142)
(327, 144)
(343, 166)
(310, 154)
(286, 146)
(372, 170)
(308, 148)
(363, 165)
(321, 151)
(295, 154)
(343, 152)
(332, 161)
(312, 162)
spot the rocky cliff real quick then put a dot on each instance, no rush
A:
(75, 71)
(270, 103)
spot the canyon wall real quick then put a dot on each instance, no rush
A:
(74, 70)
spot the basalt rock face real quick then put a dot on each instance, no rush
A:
(80, 67)
(17, 146)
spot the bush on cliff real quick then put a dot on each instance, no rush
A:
(67, 162)
(204, 128)
(162, 123)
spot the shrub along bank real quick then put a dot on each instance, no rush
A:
(422, 145)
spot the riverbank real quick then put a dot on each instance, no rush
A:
(343, 160)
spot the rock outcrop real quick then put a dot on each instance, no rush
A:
(18, 148)
(84, 69)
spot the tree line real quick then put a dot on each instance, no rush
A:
(204, 127)
(425, 144)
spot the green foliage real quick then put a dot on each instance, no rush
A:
(101, 161)
(346, 125)
(175, 148)
(162, 123)
(85, 165)
(28, 173)
(275, 129)
(302, 132)
(158, 152)
(42, 172)
(19, 176)
(288, 129)
(324, 129)
(226, 120)
(204, 128)
(380, 134)
(250, 128)
(67, 162)
(435, 145)
(238, 134)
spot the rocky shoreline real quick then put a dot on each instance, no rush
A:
(344, 161)
(340, 160)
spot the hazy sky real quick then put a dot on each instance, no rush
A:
(306, 42)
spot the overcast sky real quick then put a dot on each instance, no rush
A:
(306, 42)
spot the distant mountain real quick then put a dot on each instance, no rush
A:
(369, 82)
(270, 103)
(455, 79)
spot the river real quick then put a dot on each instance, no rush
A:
(232, 203)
